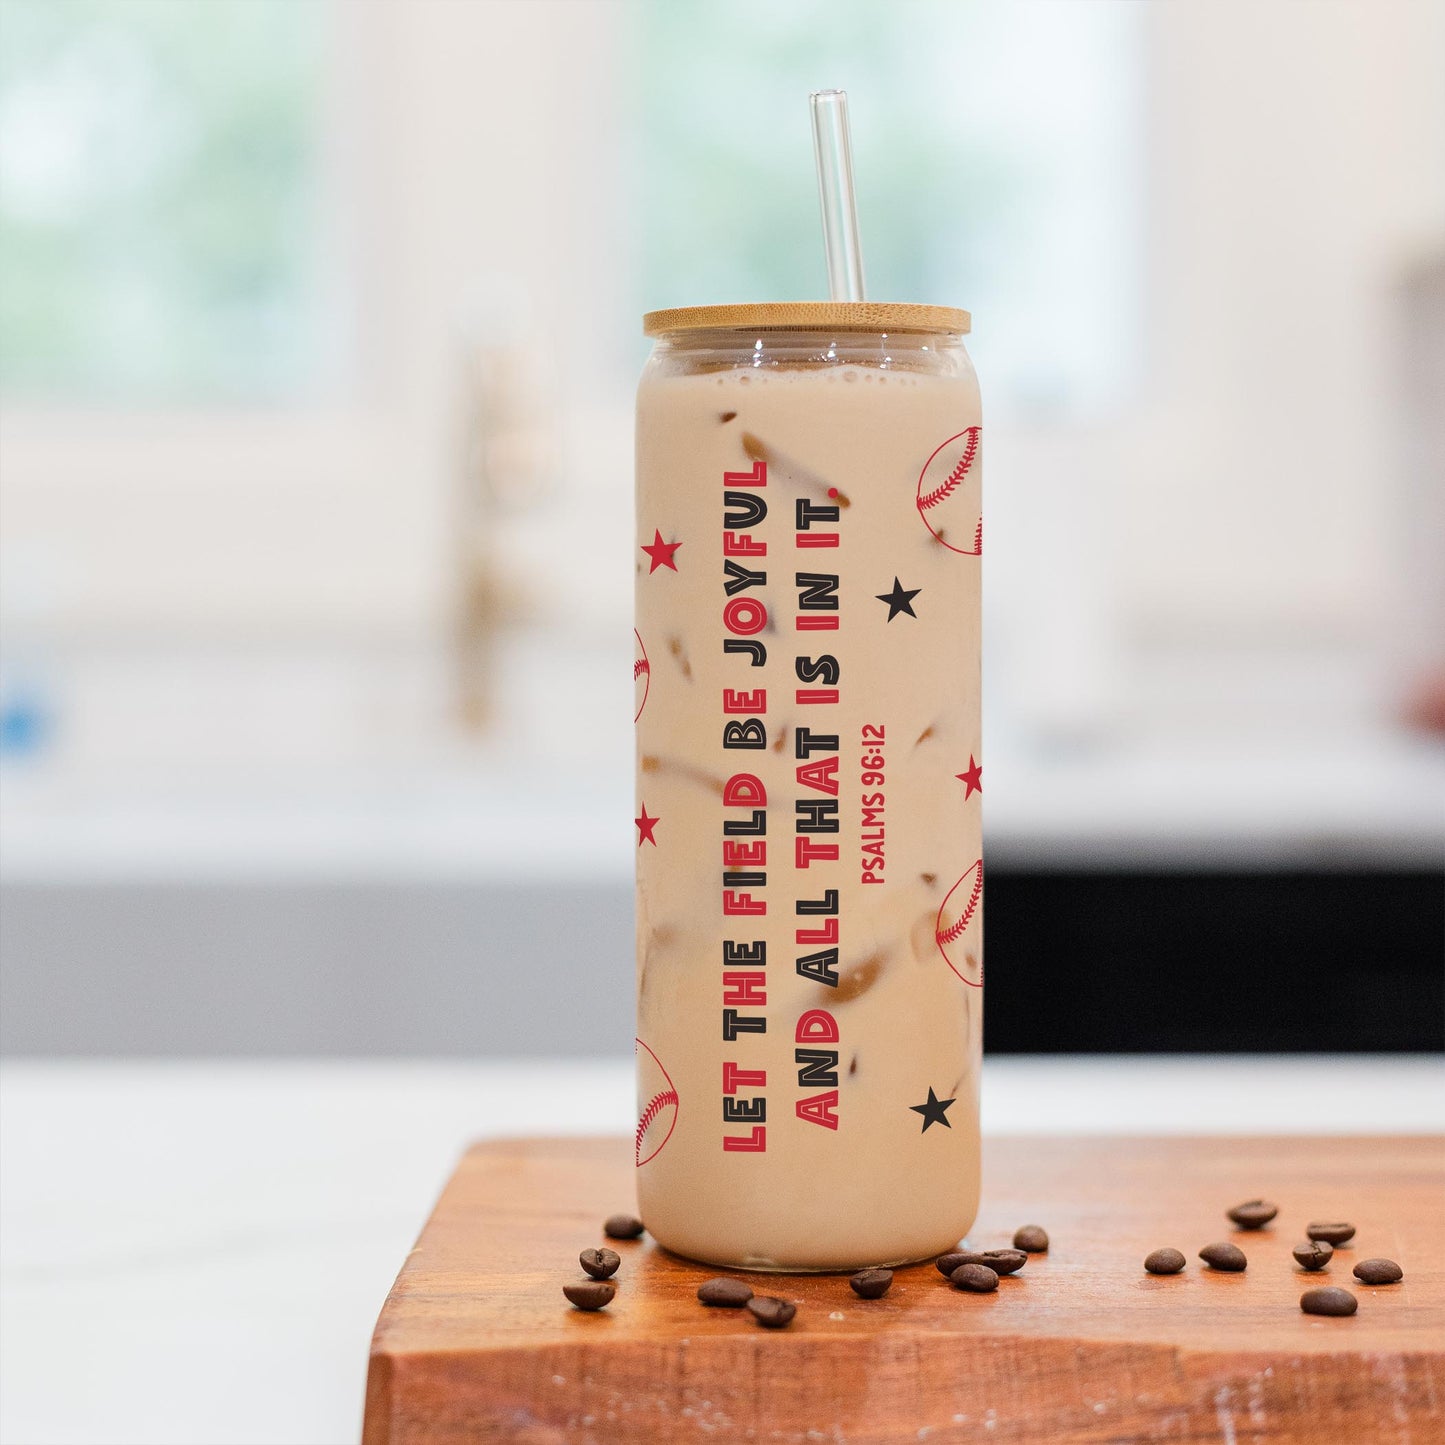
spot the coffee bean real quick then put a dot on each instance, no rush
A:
(1164, 1261)
(1031, 1239)
(1378, 1271)
(592, 1294)
(771, 1313)
(622, 1226)
(730, 1294)
(1336, 1234)
(1253, 1213)
(1328, 1302)
(1314, 1254)
(871, 1283)
(1000, 1261)
(1227, 1257)
(947, 1263)
(976, 1278)
(599, 1263)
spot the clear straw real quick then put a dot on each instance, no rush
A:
(835, 192)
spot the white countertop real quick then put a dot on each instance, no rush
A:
(195, 1253)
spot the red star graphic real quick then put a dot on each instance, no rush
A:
(972, 780)
(645, 825)
(660, 552)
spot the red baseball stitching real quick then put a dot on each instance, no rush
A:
(970, 450)
(966, 917)
(955, 931)
(640, 668)
(654, 1107)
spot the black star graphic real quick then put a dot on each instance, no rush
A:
(933, 1111)
(900, 599)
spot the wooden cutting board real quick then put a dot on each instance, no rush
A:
(476, 1343)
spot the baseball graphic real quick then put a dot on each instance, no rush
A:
(658, 1115)
(950, 492)
(957, 930)
(641, 675)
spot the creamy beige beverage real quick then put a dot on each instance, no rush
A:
(809, 776)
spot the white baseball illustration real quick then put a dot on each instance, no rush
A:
(641, 675)
(657, 1117)
(950, 493)
(959, 930)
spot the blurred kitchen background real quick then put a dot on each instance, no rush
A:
(319, 324)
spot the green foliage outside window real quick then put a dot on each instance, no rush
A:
(158, 198)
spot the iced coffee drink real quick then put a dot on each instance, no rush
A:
(809, 780)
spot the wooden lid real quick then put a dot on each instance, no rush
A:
(881, 316)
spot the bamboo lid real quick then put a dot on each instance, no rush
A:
(880, 316)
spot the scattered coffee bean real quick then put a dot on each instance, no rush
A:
(871, 1283)
(1314, 1253)
(1335, 1234)
(771, 1313)
(1227, 1257)
(599, 1263)
(1000, 1261)
(622, 1226)
(591, 1295)
(1164, 1261)
(976, 1278)
(730, 1294)
(1031, 1239)
(1378, 1271)
(1328, 1302)
(947, 1263)
(1253, 1213)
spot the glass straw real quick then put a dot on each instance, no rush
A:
(835, 192)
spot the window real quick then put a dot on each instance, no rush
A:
(159, 232)
(996, 151)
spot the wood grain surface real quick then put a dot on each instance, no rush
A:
(476, 1343)
(886, 316)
